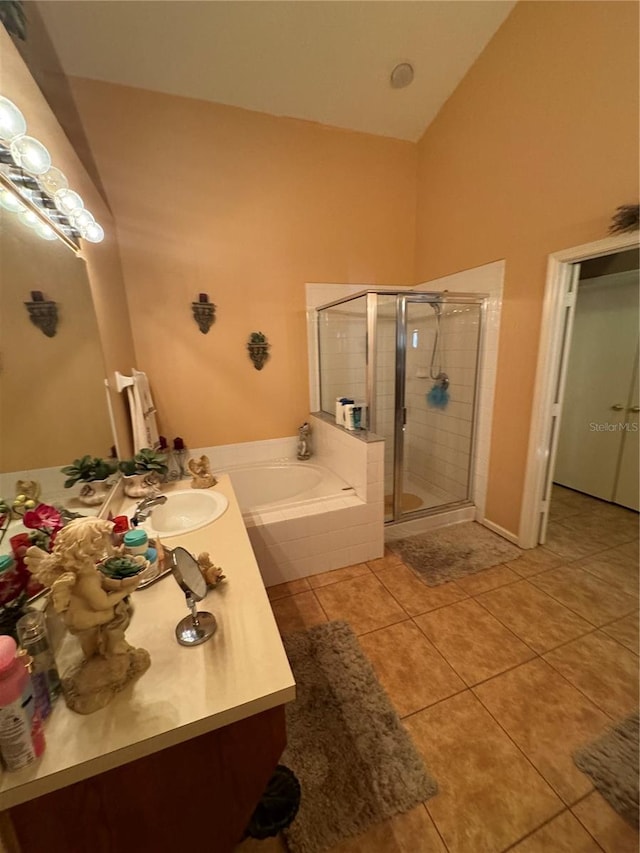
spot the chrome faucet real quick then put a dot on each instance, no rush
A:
(146, 507)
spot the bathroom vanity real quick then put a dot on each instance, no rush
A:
(187, 748)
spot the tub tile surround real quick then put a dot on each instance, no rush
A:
(295, 541)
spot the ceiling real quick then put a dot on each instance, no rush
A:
(326, 61)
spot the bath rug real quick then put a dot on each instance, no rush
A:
(453, 552)
(356, 762)
(409, 502)
(612, 763)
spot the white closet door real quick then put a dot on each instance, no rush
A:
(599, 375)
(627, 490)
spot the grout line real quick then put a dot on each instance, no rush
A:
(533, 831)
(435, 825)
(592, 628)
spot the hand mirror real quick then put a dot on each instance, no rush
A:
(198, 626)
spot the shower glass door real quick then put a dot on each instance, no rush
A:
(436, 376)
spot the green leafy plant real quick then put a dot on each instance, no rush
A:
(147, 461)
(122, 567)
(86, 469)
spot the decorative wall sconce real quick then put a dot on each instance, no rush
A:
(43, 313)
(204, 312)
(258, 347)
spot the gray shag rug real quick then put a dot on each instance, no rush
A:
(612, 763)
(355, 761)
(454, 552)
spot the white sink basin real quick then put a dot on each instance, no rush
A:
(186, 510)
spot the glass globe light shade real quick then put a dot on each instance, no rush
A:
(45, 231)
(68, 202)
(28, 217)
(82, 219)
(94, 233)
(52, 181)
(10, 201)
(12, 121)
(30, 155)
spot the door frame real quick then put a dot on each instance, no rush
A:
(554, 343)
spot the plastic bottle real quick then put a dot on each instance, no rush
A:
(136, 542)
(32, 634)
(21, 735)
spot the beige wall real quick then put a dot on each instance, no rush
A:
(246, 207)
(103, 261)
(531, 154)
(52, 401)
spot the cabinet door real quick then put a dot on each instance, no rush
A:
(599, 375)
(628, 485)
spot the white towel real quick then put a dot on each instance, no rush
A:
(143, 413)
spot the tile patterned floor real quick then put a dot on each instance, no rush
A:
(498, 677)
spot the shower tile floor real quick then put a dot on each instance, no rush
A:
(420, 496)
(510, 670)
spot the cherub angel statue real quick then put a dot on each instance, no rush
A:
(201, 470)
(95, 608)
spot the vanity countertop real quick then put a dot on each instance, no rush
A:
(186, 692)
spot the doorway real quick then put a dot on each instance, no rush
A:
(598, 437)
(582, 439)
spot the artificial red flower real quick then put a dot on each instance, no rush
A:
(43, 517)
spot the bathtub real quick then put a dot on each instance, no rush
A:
(282, 485)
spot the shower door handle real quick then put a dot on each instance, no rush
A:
(634, 409)
(404, 416)
(617, 407)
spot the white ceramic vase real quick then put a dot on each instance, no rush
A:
(140, 485)
(95, 492)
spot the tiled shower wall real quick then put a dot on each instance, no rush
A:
(343, 352)
(438, 441)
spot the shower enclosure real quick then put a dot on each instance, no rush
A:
(413, 359)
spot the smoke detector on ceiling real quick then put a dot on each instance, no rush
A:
(401, 76)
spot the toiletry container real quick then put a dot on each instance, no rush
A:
(136, 542)
(21, 735)
(33, 637)
(153, 569)
(349, 416)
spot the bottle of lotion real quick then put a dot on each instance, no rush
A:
(21, 735)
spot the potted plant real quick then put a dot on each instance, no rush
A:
(122, 571)
(143, 472)
(94, 472)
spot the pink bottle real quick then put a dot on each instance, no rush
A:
(21, 734)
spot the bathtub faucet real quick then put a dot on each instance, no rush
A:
(304, 441)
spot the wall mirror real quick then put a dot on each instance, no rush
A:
(53, 406)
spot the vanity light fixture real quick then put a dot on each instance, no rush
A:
(37, 191)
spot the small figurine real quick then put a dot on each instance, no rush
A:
(95, 608)
(202, 476)
(29, 488)
(304, 441)
(212, 574)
